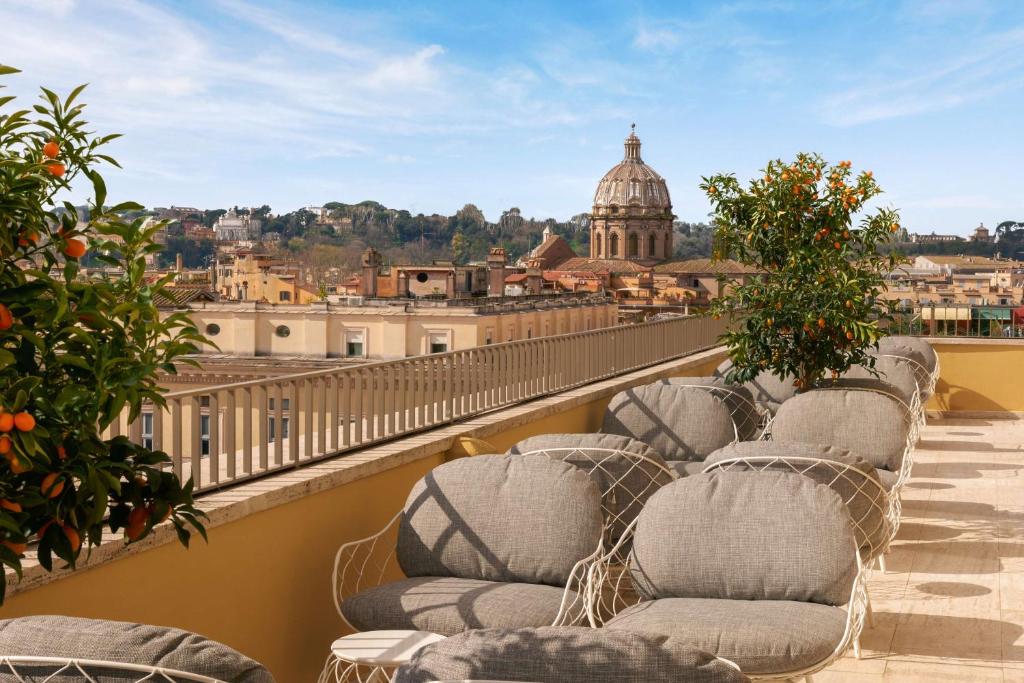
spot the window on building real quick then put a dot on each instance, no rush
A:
(282, 331)
(355, 344)
(147, 430)
(652, 245)
(633, 245)
(529, 331)
(511, 333)
(597, 245)
(284, 296)
(272, 428)
(213, 329)
(204, 434)
(489, 336)
(696, 282)
(613, 247)
(422, 277)
(437, 342)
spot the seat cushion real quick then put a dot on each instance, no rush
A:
(761, 636)
(681, 423)
(524, 518)
(119, 641)
(687, 467)
(448, 605)
(868, 423)
(866, 500)
(565, 655)
(599, 440)
(745, 536)
(894, 377)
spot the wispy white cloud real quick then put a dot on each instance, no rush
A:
(981, 68)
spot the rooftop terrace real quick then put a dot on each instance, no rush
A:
(948, 608)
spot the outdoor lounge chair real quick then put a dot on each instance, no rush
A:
(917, 349)
(754, 567)
(61, 649)
(490, 541)
(748, 419)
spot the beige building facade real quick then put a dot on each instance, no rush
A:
(382, 331)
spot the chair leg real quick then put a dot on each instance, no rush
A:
(856, 647)
(808, 679)
(881, 563)
(869, 613)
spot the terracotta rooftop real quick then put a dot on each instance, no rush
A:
(597, 265)
(704, 265)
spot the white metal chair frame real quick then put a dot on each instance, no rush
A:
(743, 409)
(365, 563)
(606, 573)
(67, 666)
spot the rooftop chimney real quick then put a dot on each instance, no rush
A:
(371, 267)
(496, 272)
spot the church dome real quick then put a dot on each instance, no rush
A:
(632, 182)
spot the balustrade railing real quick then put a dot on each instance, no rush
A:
(228, 433)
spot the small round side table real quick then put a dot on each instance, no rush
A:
(372, 656)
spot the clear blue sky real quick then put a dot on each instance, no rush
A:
(430, 106)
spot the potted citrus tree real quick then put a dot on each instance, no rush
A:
(76, 353)
(816, 309)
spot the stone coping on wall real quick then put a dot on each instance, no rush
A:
(228, 505)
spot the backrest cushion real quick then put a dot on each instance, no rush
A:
(745, 536)
(909, 347)
(768, 391)
(612, 441)
(681, 423)
(737, 396)
(627, 471)
(866, 500)
(525, 519)
(119, 641)
(871, 424)
(894, 372)
(560, 654)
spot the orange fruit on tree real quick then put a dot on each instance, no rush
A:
(61, 453)
(74, 539)
(821, 323)
(837, 245)
(6, 422)
(74, 249)
(10, 505)
(849, 335)
(24, 421)
(52, 485)
(51, 149)
(6, 319)
(17, 466)
(5, 445)
(15, 547)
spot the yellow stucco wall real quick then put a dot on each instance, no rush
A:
(979, 376)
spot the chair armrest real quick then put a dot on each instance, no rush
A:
(363, 564)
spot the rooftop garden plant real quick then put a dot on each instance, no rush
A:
(815, 310)
(76, 353)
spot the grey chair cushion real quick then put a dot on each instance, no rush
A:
(745, 536)
(870, 424)
(522, 519)
(761, 636)
(866, 502)
(911, 347)
(681, 423)
(895, 376)
(737, 396)
(626, 482)
(449, 606)
(565, 655)
(599, 440)
(768, 391)
(119, 641)
(685, 468)
(887, 478)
